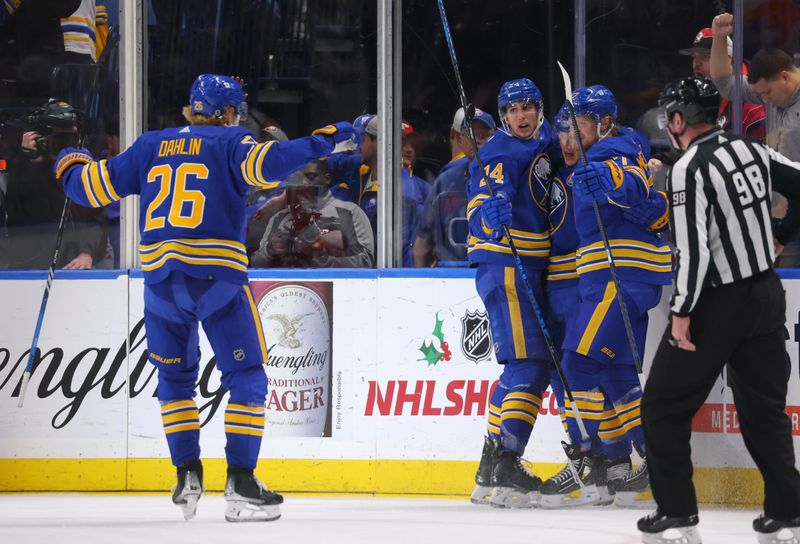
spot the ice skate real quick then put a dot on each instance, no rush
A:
(186, 492)
(633, 489)
(248, 499)
(660, 529)
(514, 485)
(562, 490)
(482, 494)
(771, 531)
(610, 471)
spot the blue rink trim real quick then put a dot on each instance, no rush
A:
(294, 273)
(62, 274)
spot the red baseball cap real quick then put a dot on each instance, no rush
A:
(702, 44)
(407, 128)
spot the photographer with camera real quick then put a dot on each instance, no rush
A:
(315, 230)
(34, 199)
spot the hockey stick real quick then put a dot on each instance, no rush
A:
(26, 376)
(612, 267)
(469, 113)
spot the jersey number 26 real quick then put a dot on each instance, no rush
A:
(173, 184)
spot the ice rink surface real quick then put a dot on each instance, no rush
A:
(152, 519)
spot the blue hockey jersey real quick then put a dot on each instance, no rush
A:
(639, 253)
(193, 182)
(561, 269)
(521, 169)
(444, 220)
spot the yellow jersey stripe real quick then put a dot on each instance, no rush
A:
(87, 188)
(631, 264)
(631, 253)
(197, 251)
(106, 178)
(255, 410)
(97, 185)
(243, 430)
(203, 261)
(260, 164)
(195, 242)
(177, 404)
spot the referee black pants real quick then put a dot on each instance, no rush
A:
(741, 323)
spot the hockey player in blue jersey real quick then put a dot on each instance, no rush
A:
(562, 301)
(193, 183)
(519, 148)
(597, 359)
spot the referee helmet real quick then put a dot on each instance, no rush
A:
(696, 98)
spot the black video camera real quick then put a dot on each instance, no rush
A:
(57, 116)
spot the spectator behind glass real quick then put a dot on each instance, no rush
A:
(442, 230)
(315, 230)
(358, 183)
(35, 199)
(263, 203)
(773, 81)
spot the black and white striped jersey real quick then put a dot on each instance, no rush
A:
(720, 212)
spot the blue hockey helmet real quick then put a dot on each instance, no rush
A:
(518, 90)
(596, 101)
(562, 121)
(212, 93)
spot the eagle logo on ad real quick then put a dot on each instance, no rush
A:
(476, 338)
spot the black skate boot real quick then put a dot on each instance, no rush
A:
(187, 491)
(633, 489)
(660, 529)
(771, 531)
(611, 471)
(562, 490)
(482, 494)
(248, 498)
(514, 485)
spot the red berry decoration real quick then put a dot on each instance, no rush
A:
(447, 355)
(445, 347)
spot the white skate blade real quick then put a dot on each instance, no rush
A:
(683, 535)
(243, 511)
(191, 494)
(788, 535)
(634, 499)
(508, 497)
(605, 497)
(190, 507)
(580, 497)
(481, 495)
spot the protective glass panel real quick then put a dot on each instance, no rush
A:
(495, 42)
(306, 64)
(59, 88)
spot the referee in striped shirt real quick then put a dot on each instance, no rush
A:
(728, 305)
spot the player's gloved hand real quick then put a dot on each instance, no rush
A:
(649, 213)
(70, 156)
(496, 212)
(593, 180)
(340, 132)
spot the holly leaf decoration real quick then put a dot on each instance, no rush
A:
(437, 330)
(430, 354)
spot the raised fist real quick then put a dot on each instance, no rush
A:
(722, 25)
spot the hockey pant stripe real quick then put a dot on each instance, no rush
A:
(244, 428)
(181, 421)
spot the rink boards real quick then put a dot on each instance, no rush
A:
(379, 384)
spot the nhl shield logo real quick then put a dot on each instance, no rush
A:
(238, 354)
(476, 338)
